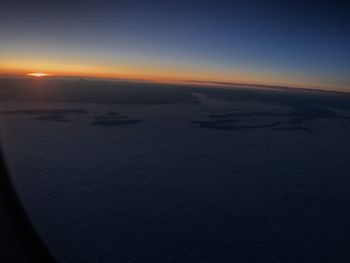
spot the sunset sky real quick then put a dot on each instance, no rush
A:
(265, 42)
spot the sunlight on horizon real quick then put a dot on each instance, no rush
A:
(38, 74)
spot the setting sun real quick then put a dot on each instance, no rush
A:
(38, 74)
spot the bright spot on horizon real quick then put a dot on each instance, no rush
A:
(38, 74)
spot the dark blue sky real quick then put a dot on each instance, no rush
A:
(284, 42)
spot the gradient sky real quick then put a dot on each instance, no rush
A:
(302, 43)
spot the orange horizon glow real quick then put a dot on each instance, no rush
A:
(154, 73)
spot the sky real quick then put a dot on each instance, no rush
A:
(292, 43)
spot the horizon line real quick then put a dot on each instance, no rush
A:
(200, 83)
